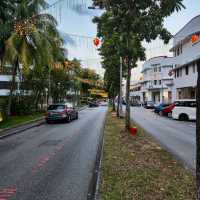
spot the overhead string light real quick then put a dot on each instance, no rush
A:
(56, 8)
(81, 41)
(25, 27)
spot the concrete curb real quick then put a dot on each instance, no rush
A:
(23, 127)
(93, 191)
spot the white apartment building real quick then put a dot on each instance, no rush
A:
(5, 80)
(135, 91)
(186, 52)
(157, 85)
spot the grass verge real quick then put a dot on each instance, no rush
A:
(137, 168)
(19, 120)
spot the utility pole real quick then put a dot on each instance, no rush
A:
(49, 85)
(120, 92)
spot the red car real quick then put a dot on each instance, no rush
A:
(168, 110)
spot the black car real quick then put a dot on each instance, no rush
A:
(93, 104)
(61, 112)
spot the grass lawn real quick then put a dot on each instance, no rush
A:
(137, 168)
(17, 120)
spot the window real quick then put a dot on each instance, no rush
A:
(155, 82)
(56, 107)
(194, 68)
(185, 104)
(160, 82)
(192, 104)
(159, 69)
(177, 73)
(4, 85)
(178, 52)
(155, 69)
(180, 72)
(187, 70)
(181, 48)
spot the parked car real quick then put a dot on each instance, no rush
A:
(123, 102)
(103, 103)
(136, 103)
(93, 104)
(149, 105)
(167, 111)
(184, 110)
(160, 107)
(61, 112)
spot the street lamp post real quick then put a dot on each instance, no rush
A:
(59, 92)
(120, 93)
(46, 93)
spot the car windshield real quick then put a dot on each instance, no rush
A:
(56, 107)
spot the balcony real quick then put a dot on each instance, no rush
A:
(189, 55)
(169, 82)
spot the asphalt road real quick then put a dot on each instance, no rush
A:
(51, 162)
(176, 136)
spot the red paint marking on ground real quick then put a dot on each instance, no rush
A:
(43, 160)
(7, 193)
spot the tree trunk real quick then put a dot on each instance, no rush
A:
(198, 133)
(127, 124)
(118, 99)
(12, 86)
(113, 104)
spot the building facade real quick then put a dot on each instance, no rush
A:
(156, 83)
(5, 80)
(186, 50)
(135, 91)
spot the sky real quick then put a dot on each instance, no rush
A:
(78, 22)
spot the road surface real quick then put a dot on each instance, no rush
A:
(51, 162)
(178, 137)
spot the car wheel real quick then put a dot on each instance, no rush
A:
(183, 117)
(68, 119)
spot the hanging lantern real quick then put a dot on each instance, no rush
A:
(96, 42)
(194, 38)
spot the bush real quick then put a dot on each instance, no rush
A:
(22, 106)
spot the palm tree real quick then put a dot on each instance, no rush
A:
(7, 9)
(35, 40)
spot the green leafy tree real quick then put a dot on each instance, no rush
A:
(34, 42)
(137, 21)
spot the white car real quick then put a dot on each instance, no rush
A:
(184, 110)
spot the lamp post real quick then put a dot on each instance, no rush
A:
(59, 92)
(120, 92)
(46, 93)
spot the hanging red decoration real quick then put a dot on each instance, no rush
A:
(96, 42)
(194, 38)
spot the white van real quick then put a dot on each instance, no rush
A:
(184, 110)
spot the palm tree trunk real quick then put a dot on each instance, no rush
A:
(12, 86)
(127, 118)
(113, 103)
(198, 133)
